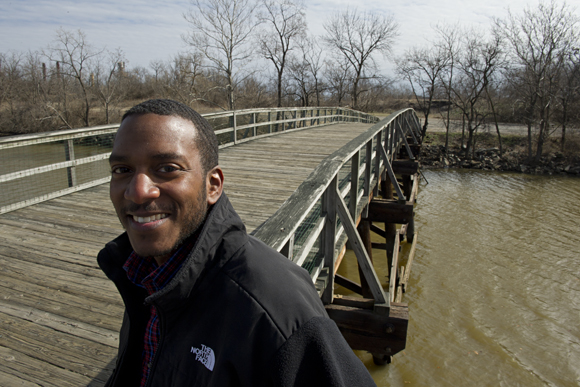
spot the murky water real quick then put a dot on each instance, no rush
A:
(494, 297)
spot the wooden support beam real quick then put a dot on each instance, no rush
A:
(393, 272)
(405, 167)
(368, 170)
(409, 151)
(403, 231)
(288, 249)
(366, 330)
(392, 175)
(390, 211)
(354, 302)
(348, 284)
(329, 204)
(377, 230)
(399, 295)
(364, 231)
(361, 254)
(405, 277)
(407, 185)
(410, 232)
(416, 149)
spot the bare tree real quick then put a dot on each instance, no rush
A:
(301, 83)
(108, 77)
(284, 24)
(221, 31)
(540, 41)
(358, 36)
(338, 75)
(448, 42)
(182, 78)
(477, 65)
(422, 68)
(569, 89)
(74, 55)
(313, 57)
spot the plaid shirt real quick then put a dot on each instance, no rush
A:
(145, 273)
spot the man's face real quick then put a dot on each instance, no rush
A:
(158, 187)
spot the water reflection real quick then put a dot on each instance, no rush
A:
(494, 296)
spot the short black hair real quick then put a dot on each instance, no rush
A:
(205, 140)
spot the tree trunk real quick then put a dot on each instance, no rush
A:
(529, 141)
(495, 121)
(469, 141)
(462, 133)
(541, 138)
(564, 120)
(355, 92)
(280, 89)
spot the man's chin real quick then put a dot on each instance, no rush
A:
(144, 250)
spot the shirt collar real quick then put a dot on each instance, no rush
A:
(145, 273)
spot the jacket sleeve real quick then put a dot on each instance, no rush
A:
(317, 355)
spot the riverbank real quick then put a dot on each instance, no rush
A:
(487, 155)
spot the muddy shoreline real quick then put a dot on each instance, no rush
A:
(487, 154)
(434, 156)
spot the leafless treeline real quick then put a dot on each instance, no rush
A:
(234, 45)
(258, 53)
(525, 70)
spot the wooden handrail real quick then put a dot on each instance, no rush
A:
(320, 194)
(239, 125)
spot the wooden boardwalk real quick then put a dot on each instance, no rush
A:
(59, 315)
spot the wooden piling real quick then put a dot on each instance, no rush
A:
(364, 230)
(390, 227)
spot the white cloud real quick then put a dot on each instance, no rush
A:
(147, 30)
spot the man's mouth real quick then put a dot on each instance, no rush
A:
(147, 219)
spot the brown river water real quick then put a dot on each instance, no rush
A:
(494, 297)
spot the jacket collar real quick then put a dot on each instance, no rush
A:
(222, 234)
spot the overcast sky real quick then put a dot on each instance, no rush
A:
(150, 30)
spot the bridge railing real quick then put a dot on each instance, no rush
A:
(43, 166)
(312, 226)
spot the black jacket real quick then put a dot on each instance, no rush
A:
(236, 314)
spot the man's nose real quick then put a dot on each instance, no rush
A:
(141, 189)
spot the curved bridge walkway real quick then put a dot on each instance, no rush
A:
(59, 315)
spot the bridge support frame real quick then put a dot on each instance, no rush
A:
(367, 323)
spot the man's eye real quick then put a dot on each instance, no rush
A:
(168, 168)
(119, 170)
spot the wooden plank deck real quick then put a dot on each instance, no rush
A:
(59, 315)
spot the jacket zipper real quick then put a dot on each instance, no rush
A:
(156, 354)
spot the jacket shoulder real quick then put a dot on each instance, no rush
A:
(318, 355)
(282, 289)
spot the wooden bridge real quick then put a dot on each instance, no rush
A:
(305, 181)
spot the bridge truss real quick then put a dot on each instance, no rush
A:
(335, 207)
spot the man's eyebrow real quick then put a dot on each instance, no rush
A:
(159, 156)
(113, 158)
(168, 156)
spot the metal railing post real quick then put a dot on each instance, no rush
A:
(69, 150)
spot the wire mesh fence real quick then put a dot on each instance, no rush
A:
(43, 166)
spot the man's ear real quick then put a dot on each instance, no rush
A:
(214, 184)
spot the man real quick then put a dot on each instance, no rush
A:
(205, 304)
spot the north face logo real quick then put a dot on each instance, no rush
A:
(204, 355)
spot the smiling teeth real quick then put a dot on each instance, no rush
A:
(147, 219)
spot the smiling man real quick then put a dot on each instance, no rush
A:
(205, 304)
